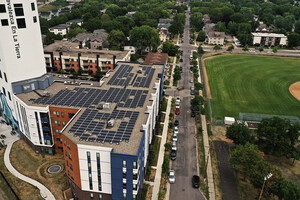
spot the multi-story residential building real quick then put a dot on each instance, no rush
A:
(70, 57)
(269, 39)
(22, 69)
(103, 129)
(61, 29)
(216, 38)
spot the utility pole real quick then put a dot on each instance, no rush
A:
(265, 179)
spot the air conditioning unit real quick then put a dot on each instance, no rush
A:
(106, 106)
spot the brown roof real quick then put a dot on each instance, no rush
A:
(216, 34)
(157, 58)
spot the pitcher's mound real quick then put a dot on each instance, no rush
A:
(295, 90)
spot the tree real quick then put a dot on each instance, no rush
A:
(246, 48)
(261, 49)
(92, 24)
(239, 133)
(231, 48)
(74, 31)
(238, 18)
(221, 27)
(143, 37)
(275, 50)
(278, 136)
(116, 39)
(200, 50)
(217, 47)
(293, 39)
(286, 190)
(177, 73)
(169, 48)
(105, 18)
(198, 86)
(297, 27)
(201, 36)
(196, 20)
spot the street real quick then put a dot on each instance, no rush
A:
(185, 165)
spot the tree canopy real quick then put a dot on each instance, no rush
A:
(239, 133)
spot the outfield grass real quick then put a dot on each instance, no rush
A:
(252, 84)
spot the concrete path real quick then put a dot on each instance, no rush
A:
(209, 177)
(45, 193)
(161, 152)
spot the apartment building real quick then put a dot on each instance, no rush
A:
(269, 39)
(70, 57)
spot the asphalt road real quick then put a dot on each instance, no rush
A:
(185, 165)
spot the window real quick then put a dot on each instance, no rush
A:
(4, 22)
(134, 165)
(124, 185)
(72, 176)
(2, 8)
(134, 186)
(92, 196)
(21, 23)
(124, 163)
(65, 142)
(32, 6)
(63, 123)
(57, 114)
(19, 9)
(54, 112)
(4, 92)
(0, 74)
(58, 122)
(58, 139)
(9, 96)
(62, 114)
(5, 77)
(134, 197)
(67, 163)
(70, 156)
(124, 175)
(124, 195)
(34, 19)
(66, 153)
(71, 166)
(55, 122)
(100, 197)
(68, 145)
(56, 130)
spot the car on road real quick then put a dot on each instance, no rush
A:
(176, 123)
(192, 90)
(181, 60)
(174, 146)
(173, 155)
(193, 114)
(191, 62)
(180, 68)
(175, 137)
(191, 69)
(191, 57)
(175, 128)
(196, 181)
(252, 51)
(191, 81)
(178, 99)
(172, 176)
(177, 110)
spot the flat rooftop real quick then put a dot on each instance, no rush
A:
(269, 35)
(123, 97)
(72, 49)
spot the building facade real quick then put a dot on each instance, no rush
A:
(215, 38)
(269, 39)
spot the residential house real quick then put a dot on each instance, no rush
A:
(215, 38)
(130, 14)
(46, 15)
(131, 49)
(75, 21)
(164, 23)
(95, 40)
(269, 39)
(163, 34)
(61, 29)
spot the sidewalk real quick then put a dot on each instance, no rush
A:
(161, 152)
(171, 79)
(45, 193)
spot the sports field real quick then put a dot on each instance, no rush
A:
(252, 84)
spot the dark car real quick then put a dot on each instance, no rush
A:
(192, 114)
(191, 69)
(196, 181)
(181, 60)
(83, 78)
(173, 155)
(180, 69)
(93, 79)
(176, 123)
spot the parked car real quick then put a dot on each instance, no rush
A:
(175, 128)
(177, 110)
(178, 99)
(196, 181)
(193, 114)
(191, 62)
(172, 176)
(191, 57)
(174, 146)
(173, 155)
(180, 68)
(191, 69)
(83, 78)
(176, 123)
(181, 60)
(176, 132)
(192, 91)
(175, 136)
(191, 81)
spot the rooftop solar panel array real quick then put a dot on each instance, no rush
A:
(122, 76)
(91, 125)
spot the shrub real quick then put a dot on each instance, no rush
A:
(168, 146)
(166, 165)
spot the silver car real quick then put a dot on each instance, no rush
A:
(172, 176)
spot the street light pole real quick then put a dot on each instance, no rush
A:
(265, 179)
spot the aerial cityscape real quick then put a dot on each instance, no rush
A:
(150, 100)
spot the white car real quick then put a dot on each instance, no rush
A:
(176, 132)
(177, 99)
(176, 128)
(252, 51)
(191, 81)
(172, 176)
(175, 138)
(174, 146)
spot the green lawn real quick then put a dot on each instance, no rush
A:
(252, 84)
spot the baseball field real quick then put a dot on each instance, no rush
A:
(252, 84)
